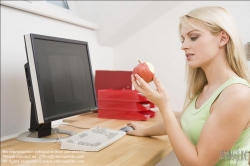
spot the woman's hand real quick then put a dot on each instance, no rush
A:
(138, 129)
(159, 96)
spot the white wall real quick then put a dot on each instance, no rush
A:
(15, 105)
(159, 43)
(118, 20)
(112, 16)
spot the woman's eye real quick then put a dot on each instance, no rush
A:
(193, 38)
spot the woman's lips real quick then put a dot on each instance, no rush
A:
(189, 56)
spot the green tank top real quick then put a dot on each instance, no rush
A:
(193, 120)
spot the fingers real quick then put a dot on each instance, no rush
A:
(132, 132)
(131, 124)
(138, 129)
(158, 84)
(142, 86)
(135, 84)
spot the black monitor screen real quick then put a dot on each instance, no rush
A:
(64, 78)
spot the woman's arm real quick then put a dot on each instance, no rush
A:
(228, 119)
(140, 130)
(154, 130)
(220, 132)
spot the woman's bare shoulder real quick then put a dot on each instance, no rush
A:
(236, 97)
(237, 90)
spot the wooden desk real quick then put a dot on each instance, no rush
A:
(128, 151)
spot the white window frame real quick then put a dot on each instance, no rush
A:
(65, 2)
(46, 5)
(46, 9)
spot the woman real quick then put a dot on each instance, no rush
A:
(215, 124)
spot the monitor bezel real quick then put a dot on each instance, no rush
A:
(35, 78)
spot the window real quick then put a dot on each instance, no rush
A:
(60, 3)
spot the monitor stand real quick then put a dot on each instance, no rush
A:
(37, 131)
(33, 136)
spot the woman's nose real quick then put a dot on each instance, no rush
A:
(184, 45)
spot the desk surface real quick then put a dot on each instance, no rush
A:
(129, 150)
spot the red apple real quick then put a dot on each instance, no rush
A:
(145, 70)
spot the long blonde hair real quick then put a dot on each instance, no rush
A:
(216, 19)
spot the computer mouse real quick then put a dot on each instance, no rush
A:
(127, 128)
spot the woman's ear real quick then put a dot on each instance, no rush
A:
(224, 38)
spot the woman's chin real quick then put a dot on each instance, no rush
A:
(193, 66)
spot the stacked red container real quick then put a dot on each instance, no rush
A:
(123, 104)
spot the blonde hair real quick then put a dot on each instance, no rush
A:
(216, 19)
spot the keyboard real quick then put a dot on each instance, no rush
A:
(93, 139)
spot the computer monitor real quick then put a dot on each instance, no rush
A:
(60, 83)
